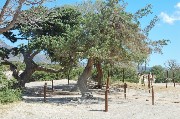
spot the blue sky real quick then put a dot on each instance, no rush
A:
(167, 28)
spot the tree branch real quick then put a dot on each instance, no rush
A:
(14, 13)
(4, 10)
(34, 54)
(49, 70)
(13, 67)
(11, 24)
(29, 2)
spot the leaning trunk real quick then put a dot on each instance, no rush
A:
(100, 74)
(31, 67)
(25, 77)
(82, 80)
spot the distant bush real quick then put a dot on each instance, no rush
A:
(116, 74)
(43, 76)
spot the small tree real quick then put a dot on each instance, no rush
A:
(174, 68)
(172, 65)
(158, 71)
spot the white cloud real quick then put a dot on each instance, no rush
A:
(170, 19)
(166, 18)
(177, 5)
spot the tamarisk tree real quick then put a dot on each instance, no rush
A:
(111, 35)
(50, 32)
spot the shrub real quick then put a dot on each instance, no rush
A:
(43, 76)
(116, 74)
(7, 93)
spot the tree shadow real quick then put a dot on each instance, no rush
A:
(64, 100)
(38, 91)
(36, 94)
(97, 110)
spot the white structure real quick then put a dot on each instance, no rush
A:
(143, 78)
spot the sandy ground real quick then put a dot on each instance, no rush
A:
(138, 104)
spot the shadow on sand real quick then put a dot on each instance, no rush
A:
(36, 94)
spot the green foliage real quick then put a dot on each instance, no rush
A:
(177, 76)
(58, 35)
(76, 72)
(110, 33)
(43, 76)
(101, 30)
(20, 65)
(116, 73)
(159, 72)
(4, 67)
(7, 94)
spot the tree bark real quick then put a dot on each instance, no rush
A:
(25, 76)
(82, 80)
(100, 74)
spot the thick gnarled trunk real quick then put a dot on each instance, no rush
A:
(25, 76)
(82, 80)
(31, 67)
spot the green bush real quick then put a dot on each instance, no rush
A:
(116, 74)
(7, 94)
(43, 76)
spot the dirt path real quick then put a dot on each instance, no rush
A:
(136, 106)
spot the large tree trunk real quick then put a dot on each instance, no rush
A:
(82, 80)
(100, 74)
(31, 67)
(25, 76)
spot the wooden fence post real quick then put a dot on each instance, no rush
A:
(123, 75)
(152, 78)
(106, 94)
(167, 76)
(174, 80)
(152, 96)
(125, 86)
(52, 86)
(149, 83)
(45, 87)
(143, 80)
(68, 79)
